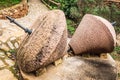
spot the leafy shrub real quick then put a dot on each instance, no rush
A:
(76, 9)
(70, 26)
(117, 49)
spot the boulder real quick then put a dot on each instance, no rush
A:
(93, 35)
(77, 68)
(46, 44)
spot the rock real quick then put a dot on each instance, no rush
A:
(57, 62)
(9, 62)
(103, 56)
(8, 53)
(5, 74)
(10, 44)
(16, 45)
(4, 47)
(2, 54)
(107, 56)
(76, 68)
(46, 44)
(17, 10)
(2, 64)
(12, 38)
(93, 35)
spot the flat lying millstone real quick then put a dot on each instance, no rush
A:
(46, 44)
(77, 68)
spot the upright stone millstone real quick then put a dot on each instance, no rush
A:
(93, 35)
(46, 44)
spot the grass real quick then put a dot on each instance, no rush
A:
(8, 3)
(116, 53)
(70, 26)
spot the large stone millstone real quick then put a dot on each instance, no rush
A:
(93, 35)
(46, 44)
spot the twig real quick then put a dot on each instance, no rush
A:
(45, 3)
(58, 4)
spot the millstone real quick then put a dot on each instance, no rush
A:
(93, 35)
(45, 44)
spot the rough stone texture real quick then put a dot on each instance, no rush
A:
(94, 35)
(5, 68)
(46, 44)
(16, 11)
(76, 68)
(9, 30)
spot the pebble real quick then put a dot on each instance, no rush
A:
(107, 56)
(9, 62)
(10, 45)
(2, 64)
(6, 74)
(12, 38)
(4, 47)
(16, 45)
(2, 54)
(8, 54)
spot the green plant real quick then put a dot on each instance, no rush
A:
(70, 26)
(76, 9)
(117, 49)
(64, 5)
(117, 29)
(8, 3)
(12, 51)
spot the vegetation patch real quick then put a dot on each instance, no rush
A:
(9, 8)
(116, 53)
(76, 9)
(8, 3)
